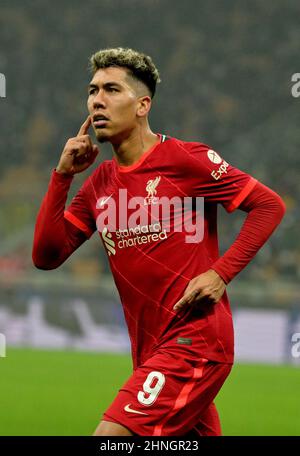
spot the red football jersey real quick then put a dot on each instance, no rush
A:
(150, 258)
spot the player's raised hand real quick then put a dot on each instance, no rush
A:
(79, 152)
(205, 288)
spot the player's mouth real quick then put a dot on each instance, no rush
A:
(99, 120)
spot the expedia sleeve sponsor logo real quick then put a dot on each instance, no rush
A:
(214, 156)
(217, 174)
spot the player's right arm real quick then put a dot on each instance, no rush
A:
(55, 238)
(79, 152)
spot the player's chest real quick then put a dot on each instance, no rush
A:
(139, 197)
(147, 188)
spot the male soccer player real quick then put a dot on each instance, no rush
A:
(172, 287)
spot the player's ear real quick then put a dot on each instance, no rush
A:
(144, 106)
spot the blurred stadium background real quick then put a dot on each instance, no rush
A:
(226, 69)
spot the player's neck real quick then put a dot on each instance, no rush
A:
(133, 147)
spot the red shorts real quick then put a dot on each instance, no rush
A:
(170, 396)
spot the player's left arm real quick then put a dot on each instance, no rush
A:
(265, 210)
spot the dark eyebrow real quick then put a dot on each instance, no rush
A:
(107, 84)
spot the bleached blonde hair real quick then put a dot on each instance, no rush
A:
(140, 66)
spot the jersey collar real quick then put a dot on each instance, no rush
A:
(126, 169)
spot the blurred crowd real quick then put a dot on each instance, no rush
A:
(226, 71)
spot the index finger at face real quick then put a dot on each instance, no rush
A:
(85, 126)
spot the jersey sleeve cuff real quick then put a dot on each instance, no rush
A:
(78, 223)
(62, 177)
(218, 269)
(239, 198)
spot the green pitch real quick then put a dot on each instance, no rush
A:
(65, 393)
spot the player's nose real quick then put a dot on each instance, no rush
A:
(99, 100)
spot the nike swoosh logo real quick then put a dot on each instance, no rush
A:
(127, 408)
(104, 200)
